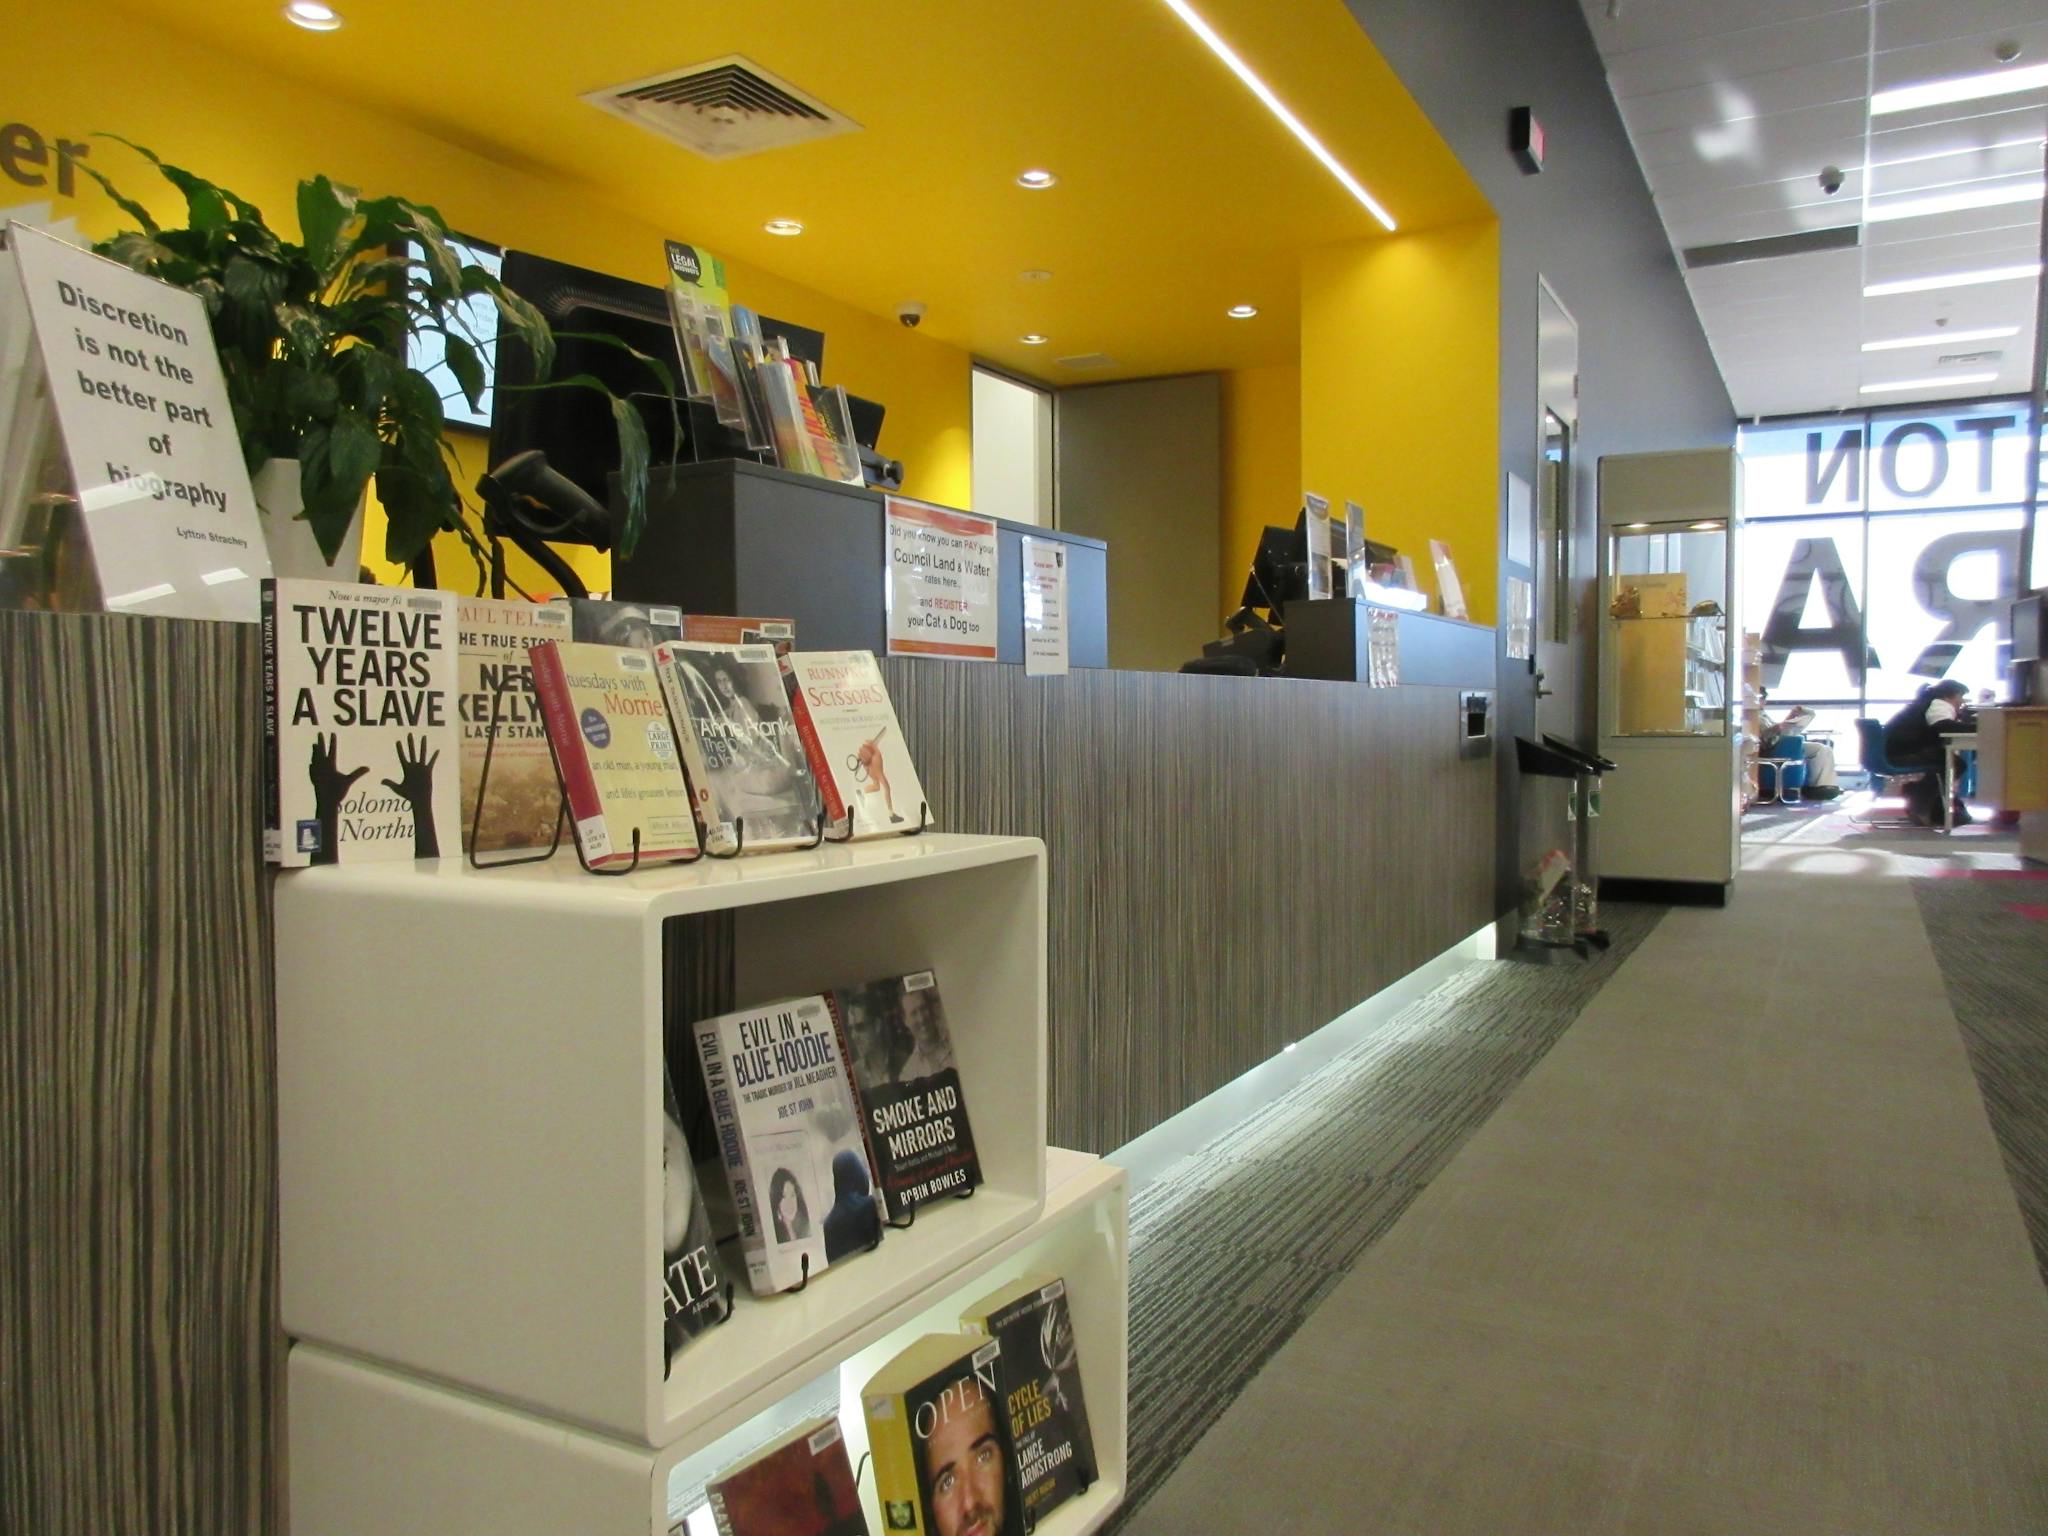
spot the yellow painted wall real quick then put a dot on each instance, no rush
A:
(1400, 364)
(1261, 465)
(71, 70)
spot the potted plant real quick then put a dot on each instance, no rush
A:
(312, 340)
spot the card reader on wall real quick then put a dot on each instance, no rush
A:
(1475, 723)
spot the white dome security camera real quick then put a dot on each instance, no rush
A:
(910, 313)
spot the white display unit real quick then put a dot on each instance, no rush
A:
(470, 1113)
(374, 1452)
(1670, 699)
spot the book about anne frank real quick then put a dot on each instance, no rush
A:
(790, 1136)
(364, 761)
(894, 1036)
(798, 1485)
(748, 770)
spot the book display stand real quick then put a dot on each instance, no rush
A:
(819, 834)
(470, 1173)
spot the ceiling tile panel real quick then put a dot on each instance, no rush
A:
(1735, 108)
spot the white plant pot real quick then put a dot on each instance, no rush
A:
(293, 549)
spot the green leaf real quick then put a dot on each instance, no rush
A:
(252, 284)
(325, 210)
(467, 367)
(127, 205)
(335, 463)
(528, 325)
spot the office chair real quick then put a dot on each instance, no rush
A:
(1870, 737)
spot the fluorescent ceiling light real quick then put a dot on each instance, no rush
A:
(1946, 381)
(1278, 108)
(1945, 154)
(1952, 280)
(1939, 93)
(1942, 338)
(1953, 202)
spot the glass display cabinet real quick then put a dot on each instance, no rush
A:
(1670, 667)
(1666, 597)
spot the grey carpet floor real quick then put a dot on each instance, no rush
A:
(1994, 962)
(1739, 1256)
(1234, 1248)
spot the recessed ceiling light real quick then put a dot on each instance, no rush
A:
(1953, 202)
(1705, 527)
(1953, 280)
(1939, 93)
(1035, 275)
(783, 227)
(1036, 181)
(312, 15)
(1946, 381)
(1032, 339)
(1278, 108)
(1638, 525)
(1242, 311)
(1942, 338)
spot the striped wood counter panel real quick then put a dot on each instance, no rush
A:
(1232, 862)
(140, 1363)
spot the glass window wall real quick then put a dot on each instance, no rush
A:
(1880, 554)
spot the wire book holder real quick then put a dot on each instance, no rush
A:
(483, 780)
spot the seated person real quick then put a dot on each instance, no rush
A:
(1821, 783)
(1912, 739)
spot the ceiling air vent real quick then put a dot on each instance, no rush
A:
(724, 109)
(1846, 238)
(1088, 360)
(1966, 359)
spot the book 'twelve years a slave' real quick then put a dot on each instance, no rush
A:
(359, 731)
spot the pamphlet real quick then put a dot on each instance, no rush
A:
(1045, 607)
(940, 587)
(1316, 515)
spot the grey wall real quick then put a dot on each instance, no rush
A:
(1140, 464)
(1587, 223)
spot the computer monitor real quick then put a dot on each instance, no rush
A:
(573, 427)
(1279, 573)
(2030, 628)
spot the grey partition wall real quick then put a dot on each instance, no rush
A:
(734, 537)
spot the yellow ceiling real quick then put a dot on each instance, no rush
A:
(1178, 196)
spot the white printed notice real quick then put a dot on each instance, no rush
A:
(940, 586)
(148, 433)
(1045, 607)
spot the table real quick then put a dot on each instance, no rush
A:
(1963, 741)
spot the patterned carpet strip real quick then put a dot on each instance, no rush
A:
(1990, 933)
(1233, 1248)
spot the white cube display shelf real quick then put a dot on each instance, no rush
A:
(374, 1452)
(470, 1109)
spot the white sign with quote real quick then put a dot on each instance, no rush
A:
(148, 433)
(940, 585)
(1045, 607)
